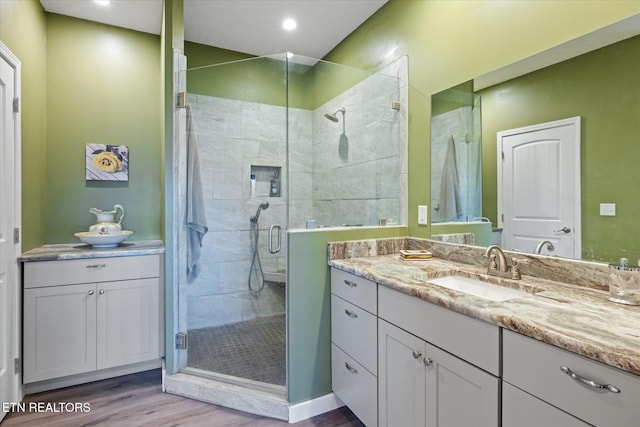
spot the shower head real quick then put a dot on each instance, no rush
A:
(262, 207)
(333, 116)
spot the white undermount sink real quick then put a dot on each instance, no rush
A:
(478, 288)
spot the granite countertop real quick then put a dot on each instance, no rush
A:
(83, 251)
(576, 318)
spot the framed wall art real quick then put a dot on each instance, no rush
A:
(107, 162)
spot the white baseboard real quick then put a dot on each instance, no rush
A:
(311, 408)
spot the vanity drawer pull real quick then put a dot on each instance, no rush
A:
(349, 368)
(587, 381)
(350, 314)
(350, 283)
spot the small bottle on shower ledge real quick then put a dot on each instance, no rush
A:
(253, 186)
(275, 185)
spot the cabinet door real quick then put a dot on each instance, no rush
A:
(459, 394)
(129, 323)
(59, 331)
(401, 377)
(520, 409)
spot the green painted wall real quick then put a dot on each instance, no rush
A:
(102, 87)
(450, 42)
(23, 31)
(601, 87)
(309, 308)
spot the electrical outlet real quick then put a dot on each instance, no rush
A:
(607, 209)
(423, 214)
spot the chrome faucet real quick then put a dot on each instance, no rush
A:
(498, 264)
(550, 247)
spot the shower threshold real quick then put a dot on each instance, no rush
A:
(249, 396)
(275, 389)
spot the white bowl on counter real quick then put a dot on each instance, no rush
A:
(103, 240)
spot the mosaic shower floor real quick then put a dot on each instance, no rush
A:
(252, 349)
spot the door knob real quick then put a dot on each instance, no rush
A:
(563, 230)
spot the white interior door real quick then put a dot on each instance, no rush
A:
(539, 187)
(9, 220)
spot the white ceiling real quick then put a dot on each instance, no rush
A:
(249, 26)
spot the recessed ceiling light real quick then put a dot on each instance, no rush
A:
(103, 2)
(289, 24)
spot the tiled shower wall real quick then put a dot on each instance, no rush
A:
(360, 175)
(233, 136)
(332, 183)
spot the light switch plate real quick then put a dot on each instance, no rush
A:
(423, 214)
(607, 209)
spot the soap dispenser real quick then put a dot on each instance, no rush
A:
(275, 185)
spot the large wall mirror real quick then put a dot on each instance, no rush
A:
(599, 86)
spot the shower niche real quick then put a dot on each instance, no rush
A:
(265, 181)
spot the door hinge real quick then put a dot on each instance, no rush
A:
(502, 152)
(181, 98)
(16, 235)
(17, 365)
(181, 341)
(502, 217)
(16, 105)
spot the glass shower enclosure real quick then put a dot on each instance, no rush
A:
(284, 143)
(456, 156)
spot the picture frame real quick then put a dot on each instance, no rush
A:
(105, 162)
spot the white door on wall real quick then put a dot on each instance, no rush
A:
(9, 221)
(539, 187)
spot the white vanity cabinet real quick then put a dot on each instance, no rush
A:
(92, 314)
(421, 384)
(591, 391)
(354, 361)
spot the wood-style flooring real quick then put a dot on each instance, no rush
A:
(138, 400)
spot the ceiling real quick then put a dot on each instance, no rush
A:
(249, 26)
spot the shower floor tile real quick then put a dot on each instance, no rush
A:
(252, 349)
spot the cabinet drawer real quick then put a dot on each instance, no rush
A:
(68, 272)
(534, 367)
(355, 386)
(355, 331)
(520, 409)
(355, 289)
(470, 339)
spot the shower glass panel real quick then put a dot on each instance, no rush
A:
(284, 143)
(236, 307)
(347, 145)
(456, 156)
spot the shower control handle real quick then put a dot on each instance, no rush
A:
(271, 229)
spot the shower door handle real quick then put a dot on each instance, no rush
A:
(279, 229)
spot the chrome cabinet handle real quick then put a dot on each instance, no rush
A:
(350, 314)
(91, 292)
(271, 248)
(101, 292)
(427, 361)
(350, 369)
(587, 381)
(563, 230)
(350, 283)
(417, 354)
